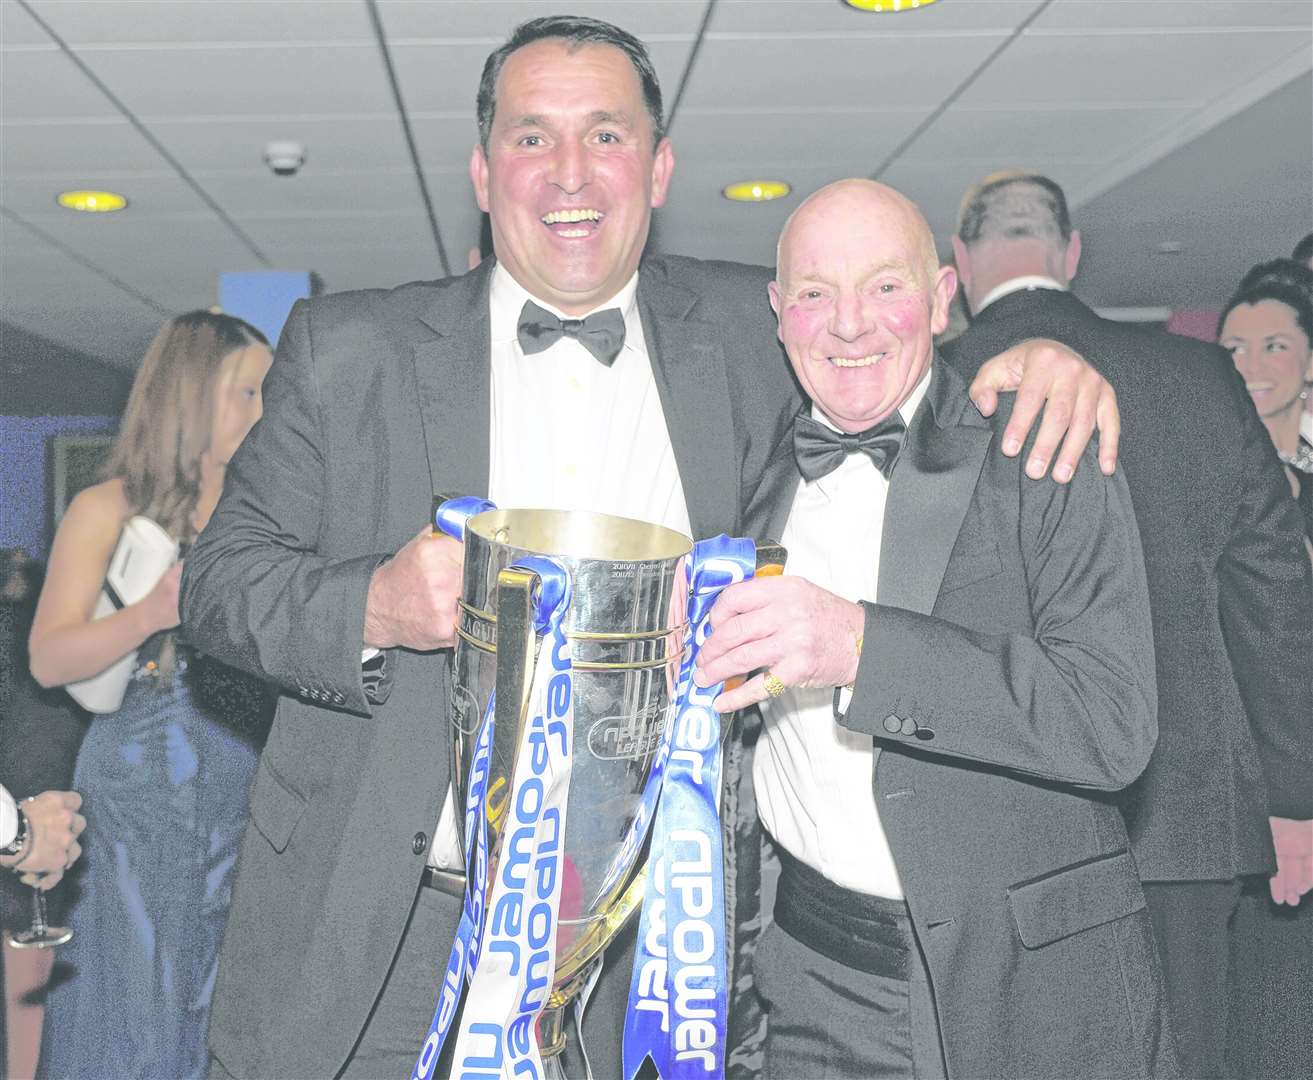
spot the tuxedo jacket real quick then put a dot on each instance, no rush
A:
(1007, 681)
(1228, 580)
(377, 400)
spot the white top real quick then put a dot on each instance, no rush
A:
(813, 778)
(8, 817)
(1016, 284)
(1306, 427)
(570, 433)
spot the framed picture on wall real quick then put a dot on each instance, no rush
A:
(76, 462)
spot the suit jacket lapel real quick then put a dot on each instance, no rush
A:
(769, 506)
(688, 363)
(453, 377)
(930, 491)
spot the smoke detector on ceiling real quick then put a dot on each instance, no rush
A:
(285, 157)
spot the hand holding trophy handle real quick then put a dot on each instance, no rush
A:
(771, 557)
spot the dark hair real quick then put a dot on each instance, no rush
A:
(1011, 205)
(575, 31)
(1303, 250)
(166, 425)
(1284, 280)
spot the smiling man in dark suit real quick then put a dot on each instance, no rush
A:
(956, 895)
(570, 372)
(1229, 581)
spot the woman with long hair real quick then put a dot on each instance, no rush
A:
(165, 777)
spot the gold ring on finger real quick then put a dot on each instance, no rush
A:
(774, 687)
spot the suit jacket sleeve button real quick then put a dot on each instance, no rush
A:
(419, 843)
(892, 724)
(909, 726)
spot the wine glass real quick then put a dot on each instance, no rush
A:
(40, 935)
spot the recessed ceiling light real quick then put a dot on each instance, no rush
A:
(91, 202)
(877, 6)
(1170, 247)
(756, 190)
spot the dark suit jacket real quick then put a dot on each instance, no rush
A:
(377, 400)
(1007, 679)
(1228, 579)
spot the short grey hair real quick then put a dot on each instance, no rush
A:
(1014, 205)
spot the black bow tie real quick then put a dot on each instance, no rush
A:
(602, 333)
(820, 449)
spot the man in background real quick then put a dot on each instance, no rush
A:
(1228, 578)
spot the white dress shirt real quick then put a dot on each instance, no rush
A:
(1016, 284)
(813, 778)
(8, 817)
(570, 433)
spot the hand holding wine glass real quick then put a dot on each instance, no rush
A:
(49, 825)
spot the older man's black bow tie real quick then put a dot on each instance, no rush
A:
(602, 333)
(820, 449)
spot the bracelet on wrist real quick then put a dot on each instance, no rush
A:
(21, 845)
(857, 647)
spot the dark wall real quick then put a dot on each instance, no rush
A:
(46, 391)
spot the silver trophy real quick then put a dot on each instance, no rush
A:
(625, 626)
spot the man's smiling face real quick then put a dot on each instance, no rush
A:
(570, 176)
(860, 296)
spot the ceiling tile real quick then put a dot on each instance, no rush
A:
(64, 301)
(314, 79)
(937, 187)
(777, 139)
(370, 268)
(332, 143)
(491, 23)
(18, 29)
(1153, 69)
(262, 194)
(336, 232)
(115, 22)
(867, 70)
(148, 194)
(445, 142)
(794, 18)
(444, 77)
(46, 84)
(1228, 14)
(1023, 137)
(122, 243)
(80, 151)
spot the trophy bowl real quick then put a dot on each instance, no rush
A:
(625, 630)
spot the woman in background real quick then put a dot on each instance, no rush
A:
(165, 778)
(1268, 329)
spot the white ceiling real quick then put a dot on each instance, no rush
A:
(1186, 121)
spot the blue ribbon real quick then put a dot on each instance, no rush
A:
(469, 933)
(450, 516)
(678, 995)
(551, 601)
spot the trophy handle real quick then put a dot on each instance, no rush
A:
(517, 648)
(771, 557)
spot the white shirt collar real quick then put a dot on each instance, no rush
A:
(506, 298)
(1306, 427)
(1016, 284)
